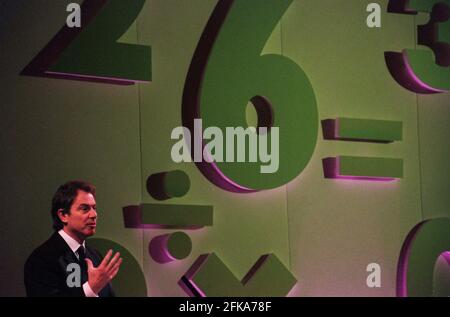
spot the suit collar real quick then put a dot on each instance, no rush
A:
(71, 242)
(66, 255)
(58, 242)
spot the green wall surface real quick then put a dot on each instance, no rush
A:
(56, 130)
(325, 231)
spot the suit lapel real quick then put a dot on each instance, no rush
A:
(65, 254)
(66, 257)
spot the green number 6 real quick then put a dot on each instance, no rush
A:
(228, 71)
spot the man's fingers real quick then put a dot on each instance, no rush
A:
(112, 262)
(116, 265)
(115, 271)
(113, 275)
(106, 259)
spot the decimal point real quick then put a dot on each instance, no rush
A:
(170, 247)
(166, 185)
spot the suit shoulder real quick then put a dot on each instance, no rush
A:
(46, 250)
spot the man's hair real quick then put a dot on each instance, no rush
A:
(64, 197)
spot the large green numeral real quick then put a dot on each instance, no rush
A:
(91, 52)
(130, 281)
(228, 71)
(424, 71)
(424, 244)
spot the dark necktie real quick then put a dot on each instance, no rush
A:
(81, 257)
(81, 254)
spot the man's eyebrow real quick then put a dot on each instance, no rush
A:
(87, 205)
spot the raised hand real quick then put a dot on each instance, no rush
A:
(99, 277)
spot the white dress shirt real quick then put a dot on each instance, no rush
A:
(74, 245)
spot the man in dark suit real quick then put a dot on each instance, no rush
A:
(64, 265)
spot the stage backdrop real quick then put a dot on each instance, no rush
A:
(306, 232)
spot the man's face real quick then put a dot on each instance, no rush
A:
(81, 221)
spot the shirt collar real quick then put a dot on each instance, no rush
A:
(71, 242)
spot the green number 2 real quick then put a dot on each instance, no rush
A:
(91, 53)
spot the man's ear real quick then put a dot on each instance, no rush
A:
(62, 216)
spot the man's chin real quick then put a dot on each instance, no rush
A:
(89, 232)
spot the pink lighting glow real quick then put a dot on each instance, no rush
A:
(158, 249)
(331, 167)
(416, 79)
(400, 68)
(402, 267)
(186, 282)
(112, 80)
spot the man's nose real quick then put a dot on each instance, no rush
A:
(93, 213)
